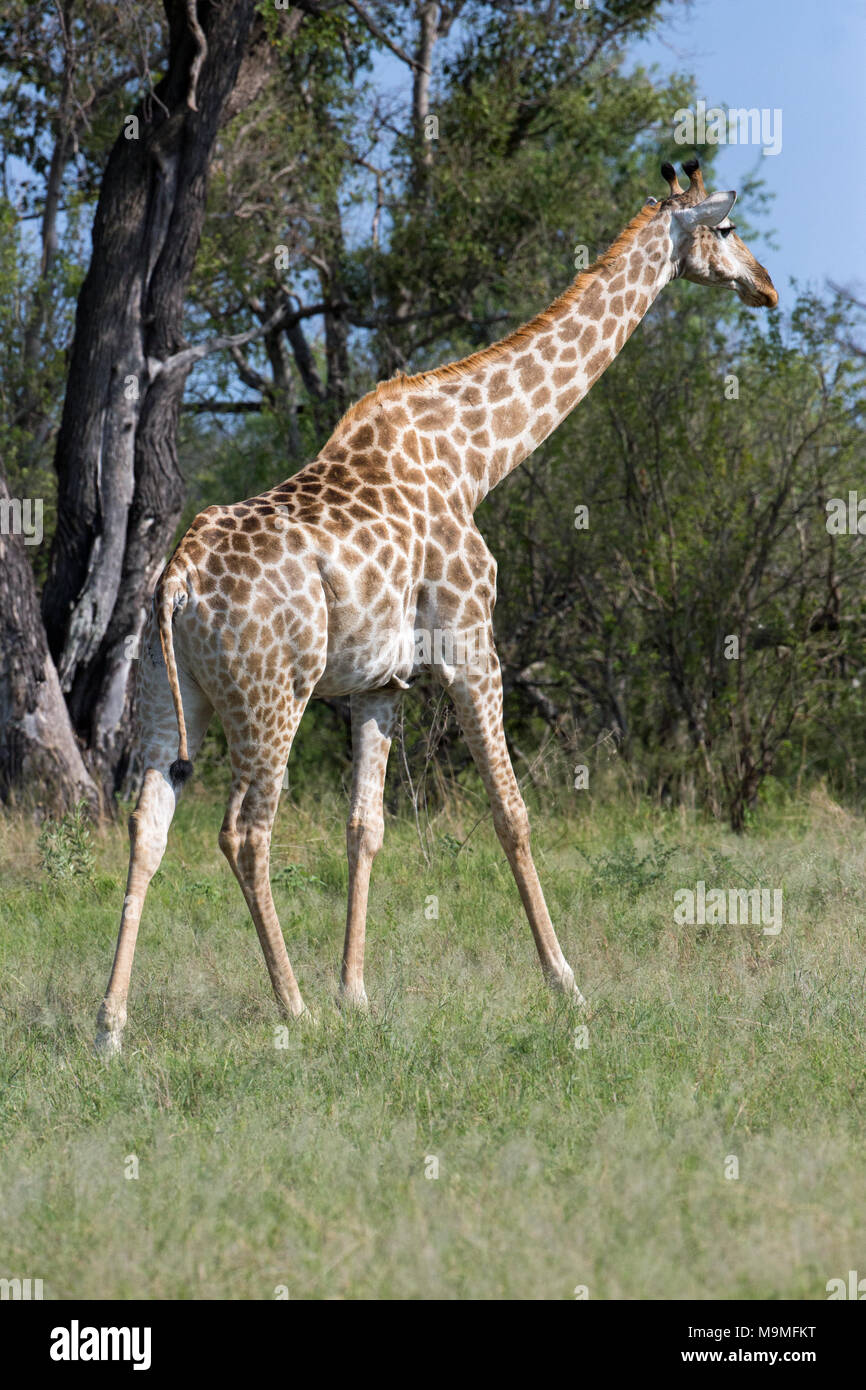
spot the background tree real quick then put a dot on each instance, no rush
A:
(313, 199)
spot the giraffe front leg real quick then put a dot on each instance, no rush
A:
(374, 716)
(477, 696)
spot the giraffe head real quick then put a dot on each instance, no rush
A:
(705, 247)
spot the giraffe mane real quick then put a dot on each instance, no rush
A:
(396, 385)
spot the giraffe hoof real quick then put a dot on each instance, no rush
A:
(564, 983)
(353, 1000)
(108, 1044)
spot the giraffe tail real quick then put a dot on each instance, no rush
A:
(167, 599)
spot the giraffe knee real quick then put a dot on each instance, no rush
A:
(229, 843)
(148, 837)
(253, 847)
(364, 838)
(512, 827)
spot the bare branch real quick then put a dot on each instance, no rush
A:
(222, 407)
(379, 33)
(282, 317)
(201, 53)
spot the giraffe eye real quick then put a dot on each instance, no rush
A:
(726, 231)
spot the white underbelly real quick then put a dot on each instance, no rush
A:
(369, 666)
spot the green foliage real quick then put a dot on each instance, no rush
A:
(66, 846)
(707, 522)
(202, 890)
(293, 876)
(69, 75)
(450, 845)
(707, 511)
(625, 869)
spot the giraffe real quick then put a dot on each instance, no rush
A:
(329, 583)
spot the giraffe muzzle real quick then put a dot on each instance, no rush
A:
(758, 296)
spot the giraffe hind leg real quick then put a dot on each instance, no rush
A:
(245, 838)
(148, 833)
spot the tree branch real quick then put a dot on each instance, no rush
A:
(200, 52)
(379, 33)
(282, 317)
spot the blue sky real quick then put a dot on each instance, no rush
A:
(809, 60)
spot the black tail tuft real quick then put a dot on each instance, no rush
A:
(180, 772)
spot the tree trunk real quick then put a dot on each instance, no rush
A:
(120, 490)
(40, 762)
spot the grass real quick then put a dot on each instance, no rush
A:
(304, 1166)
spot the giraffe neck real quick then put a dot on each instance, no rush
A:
(522, 389)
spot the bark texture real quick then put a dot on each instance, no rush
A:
(120, 488)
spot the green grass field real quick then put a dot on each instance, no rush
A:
(306, 1165)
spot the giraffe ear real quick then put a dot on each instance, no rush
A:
(709, 213)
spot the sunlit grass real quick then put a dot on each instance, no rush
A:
(304, 1165)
